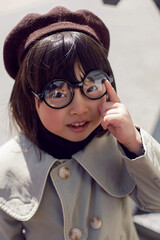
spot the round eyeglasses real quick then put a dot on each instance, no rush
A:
(59, 93)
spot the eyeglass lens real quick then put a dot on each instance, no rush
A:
(59, 93)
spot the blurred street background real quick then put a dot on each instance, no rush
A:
(134, 54)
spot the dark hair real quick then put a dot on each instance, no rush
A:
(52, 57)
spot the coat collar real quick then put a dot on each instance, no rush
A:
(104, 162)
(22, 177)
(25, 170)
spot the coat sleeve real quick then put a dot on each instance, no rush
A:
(10, 229)
(145, 170)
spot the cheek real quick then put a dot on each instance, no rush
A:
(50, 118)
(98, 103)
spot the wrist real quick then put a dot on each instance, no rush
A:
(136, 146)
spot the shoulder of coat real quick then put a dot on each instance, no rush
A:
(21, 180)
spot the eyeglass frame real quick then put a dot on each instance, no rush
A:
(40, 96)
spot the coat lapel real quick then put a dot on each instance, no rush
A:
(23, 174)
(104, 162)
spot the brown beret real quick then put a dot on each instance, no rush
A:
(34, 26)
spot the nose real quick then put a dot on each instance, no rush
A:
(79, 104)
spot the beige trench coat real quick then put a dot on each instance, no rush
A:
(86, 197)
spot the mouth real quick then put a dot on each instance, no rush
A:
(78, 126)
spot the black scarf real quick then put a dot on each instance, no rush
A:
(59, 147)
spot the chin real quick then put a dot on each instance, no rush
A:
(77, 138)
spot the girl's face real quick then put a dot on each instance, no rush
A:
(74, 122)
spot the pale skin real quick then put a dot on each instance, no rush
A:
(117, 119)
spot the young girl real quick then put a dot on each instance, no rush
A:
(78, 157)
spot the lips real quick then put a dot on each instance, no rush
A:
(78, 126)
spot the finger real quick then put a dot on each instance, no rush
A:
(106, 106)
(111, 92)
(109, 120)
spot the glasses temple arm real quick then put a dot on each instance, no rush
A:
(38, 96)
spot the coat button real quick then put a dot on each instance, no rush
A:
(64, 172)
(75, 234)
(96, 223)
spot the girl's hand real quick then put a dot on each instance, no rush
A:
(117, 119)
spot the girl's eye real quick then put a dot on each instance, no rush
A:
(56, 94)
(91, 89)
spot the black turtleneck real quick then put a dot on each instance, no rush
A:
(59, 147)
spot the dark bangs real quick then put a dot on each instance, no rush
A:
(54, 57)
